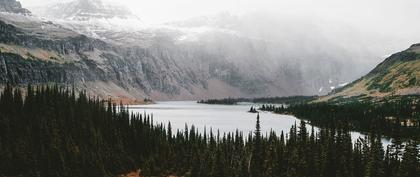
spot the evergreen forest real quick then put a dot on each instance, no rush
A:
(52, 131)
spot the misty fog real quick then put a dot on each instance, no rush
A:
(318, 45)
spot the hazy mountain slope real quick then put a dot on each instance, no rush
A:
(290, 55)
(91, 47)
(287, 45)
(36, 51)
(397, 75)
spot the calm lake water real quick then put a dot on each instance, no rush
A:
(225, 118)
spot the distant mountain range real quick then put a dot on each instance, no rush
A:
(85, 10)
(398, 75)
(109, 52)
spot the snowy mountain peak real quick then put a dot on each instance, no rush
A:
(84, 10)
(13, 6)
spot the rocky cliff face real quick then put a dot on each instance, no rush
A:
(109, 70)
(83, 10)
(13, 6)
(159, 63)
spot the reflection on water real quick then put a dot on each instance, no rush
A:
(225, 118)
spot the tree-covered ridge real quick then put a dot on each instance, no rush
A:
(225, 101)
(280, 100)
(394, 117)
(52, 132)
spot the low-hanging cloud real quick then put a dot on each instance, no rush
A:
(354, 34)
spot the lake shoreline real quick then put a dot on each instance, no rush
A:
(222, 118)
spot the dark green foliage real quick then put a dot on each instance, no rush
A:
(292, 100)
(257, 155)
(410, 164)
(253, 110)
(388, 117)
(225, 101)
(53, 132)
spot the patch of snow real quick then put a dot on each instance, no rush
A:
(386, 56)
(343, 84)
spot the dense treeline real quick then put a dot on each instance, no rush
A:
(291, 100)
(396, 117)
(53, 132)
(225, 101)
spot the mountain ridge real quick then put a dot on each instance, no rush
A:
(398, 75)
(166, 62)
(101, 68)
(13, 6)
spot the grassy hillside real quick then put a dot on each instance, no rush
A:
(398, 75)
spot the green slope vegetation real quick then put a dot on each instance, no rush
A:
(398, 75)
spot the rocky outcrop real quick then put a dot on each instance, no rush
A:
(85, 10)
(13, 6)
